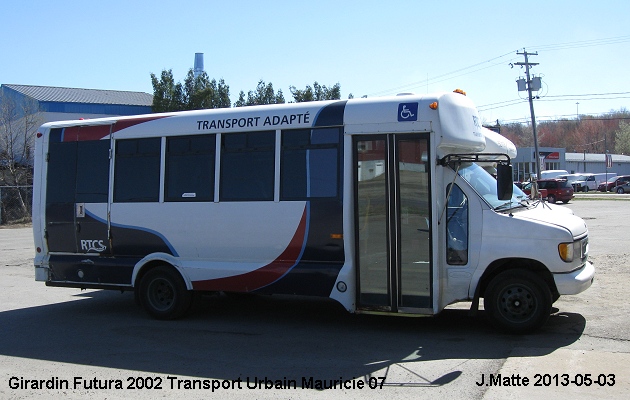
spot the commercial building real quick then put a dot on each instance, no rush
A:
(524, 164)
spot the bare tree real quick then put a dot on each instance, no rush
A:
(18, 124)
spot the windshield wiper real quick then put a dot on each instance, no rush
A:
(511, 204)
(507, 205)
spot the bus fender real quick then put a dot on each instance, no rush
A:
(158, 259)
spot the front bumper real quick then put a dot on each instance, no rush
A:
(576, 281)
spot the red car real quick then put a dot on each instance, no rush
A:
(557, 189)
(613, 183)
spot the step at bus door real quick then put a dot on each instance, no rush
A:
(393, 223)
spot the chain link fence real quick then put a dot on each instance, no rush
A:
(16, 204)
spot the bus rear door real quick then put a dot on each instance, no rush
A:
(77, 190)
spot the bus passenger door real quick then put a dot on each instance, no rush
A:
(77, 190)
(393, 223)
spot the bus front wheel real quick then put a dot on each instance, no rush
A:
(163, 293)
(518, 301)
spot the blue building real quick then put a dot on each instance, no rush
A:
(57, 103)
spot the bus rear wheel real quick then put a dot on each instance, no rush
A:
(163, 293)
(518, 301)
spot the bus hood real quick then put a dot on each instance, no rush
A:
(555, 215)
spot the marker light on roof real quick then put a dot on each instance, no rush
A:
(459, 91)
(433, 105)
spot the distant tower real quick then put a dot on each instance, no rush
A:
(198, 69)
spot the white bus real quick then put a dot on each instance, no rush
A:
(376, 203)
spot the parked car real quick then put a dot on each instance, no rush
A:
(613, 183)
(602, 177)
(589, 182)
(557, 189)
(552, 173)
(580, 182)
(623, 188)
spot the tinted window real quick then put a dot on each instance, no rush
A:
(247, 166)
(78, 171)
(564, 184)
(62, 170)
(190, 168)
(310, 163)
(93, 171)
(456, 226)
(137, 170)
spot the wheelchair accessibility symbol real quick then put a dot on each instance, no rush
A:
(407, 112)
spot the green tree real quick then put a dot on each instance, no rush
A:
(196, 93)
(264, 94)
(167, 94)
(316, 93)
(201, 92)
(622, 138)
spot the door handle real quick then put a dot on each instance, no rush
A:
(79, 210)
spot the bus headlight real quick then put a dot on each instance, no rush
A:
(566, 251)
(577, 250)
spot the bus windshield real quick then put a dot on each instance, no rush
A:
(486, 186)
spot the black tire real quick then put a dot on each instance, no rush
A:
(163, 293)
(551, 198)
(620, 191)
(518, 301)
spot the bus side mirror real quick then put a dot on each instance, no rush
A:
(504, 182)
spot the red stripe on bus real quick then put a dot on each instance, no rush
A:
(97, 132)
(81, 133)
(126, 123)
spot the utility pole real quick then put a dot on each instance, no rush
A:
(527, 64)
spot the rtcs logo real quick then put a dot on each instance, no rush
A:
(93, 245)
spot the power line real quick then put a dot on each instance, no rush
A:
(434, 79)
(584, 43)
(558, 118)
(546, 47)
(562, 97)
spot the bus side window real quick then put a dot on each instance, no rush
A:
(310, 164)
(137, 170)
(247, 166)
(92, 171)
(457, 227)
(190, 168)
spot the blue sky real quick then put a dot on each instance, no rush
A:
(369, 47)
